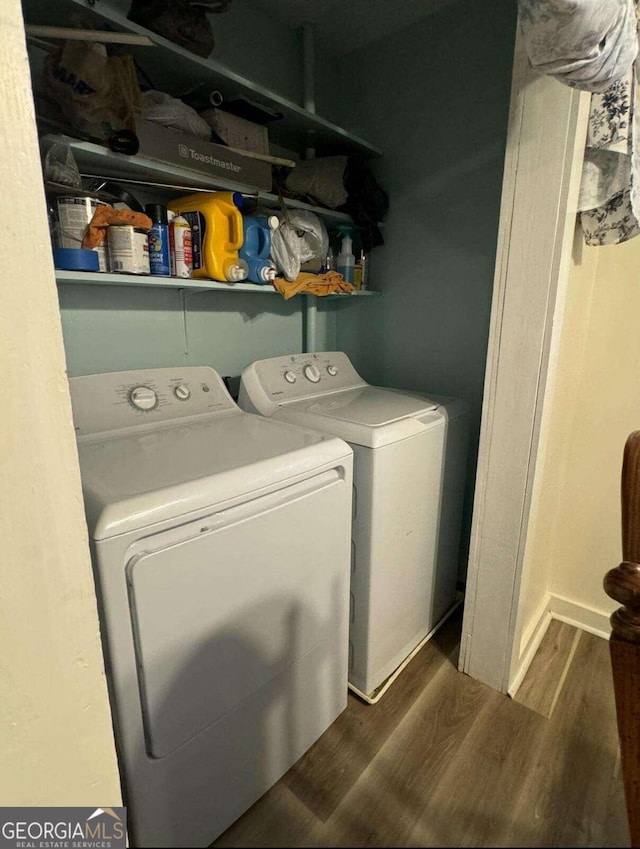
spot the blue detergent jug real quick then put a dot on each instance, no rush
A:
(256, 247)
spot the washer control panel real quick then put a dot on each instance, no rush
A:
(106, 402)
(284, 379)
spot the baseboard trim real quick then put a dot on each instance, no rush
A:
(556, 607)
(580, 616)
(531, 640)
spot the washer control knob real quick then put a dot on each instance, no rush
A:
(333, 371)
(143, 398)
(311, 373)
(182, 392)
(290, 376)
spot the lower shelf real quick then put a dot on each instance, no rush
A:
(146, 282)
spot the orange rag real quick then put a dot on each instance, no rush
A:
(106, 215)
(313, 284)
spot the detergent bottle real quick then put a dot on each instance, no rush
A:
(256, 247)
(216, 231)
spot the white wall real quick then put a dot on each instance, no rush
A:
(574, 533)
(55, 725)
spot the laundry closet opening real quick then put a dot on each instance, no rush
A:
(423, 92)
(426, 84)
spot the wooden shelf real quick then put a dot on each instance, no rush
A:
(148, 282)
(298, 127)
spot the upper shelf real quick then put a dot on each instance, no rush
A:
(298, 128)
(96, 160)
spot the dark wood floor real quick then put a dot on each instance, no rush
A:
(443, 760)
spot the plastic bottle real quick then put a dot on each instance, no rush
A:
(180, 247)
(360, 271)
(256, 247)
(330, 261)
(346, 261)
(159, 259)
(216, 223)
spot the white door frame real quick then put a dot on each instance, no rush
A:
(545, 146)
(55, 707)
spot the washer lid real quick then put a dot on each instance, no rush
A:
(369, 406)
(369, 416)
(135, 480)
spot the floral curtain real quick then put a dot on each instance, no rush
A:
(593, 45)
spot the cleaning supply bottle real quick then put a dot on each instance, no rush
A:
(159, 261)
(360, 271)
(180, 246)
(329, 263)
(216, 228)
(346, 261)
(256, 247)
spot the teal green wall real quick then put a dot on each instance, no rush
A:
(119, 328)
(435, 98)
(259, 47)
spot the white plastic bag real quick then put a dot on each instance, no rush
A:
(300, 237)
(60, 166)
(161, 108)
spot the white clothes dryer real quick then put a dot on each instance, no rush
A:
(221, 549)
(409, 474)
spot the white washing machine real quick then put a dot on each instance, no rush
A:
(221, 548)
(409, 474)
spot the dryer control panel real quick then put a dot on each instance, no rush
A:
(267, 384)
(106, 402)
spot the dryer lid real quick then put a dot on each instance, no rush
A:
(368, 406)
(134, 480)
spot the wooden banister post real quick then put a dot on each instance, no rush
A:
(623, 585)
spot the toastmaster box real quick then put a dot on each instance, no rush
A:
(206, 158)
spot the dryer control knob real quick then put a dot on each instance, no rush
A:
(143, 398)
(311, 373)
(333, 371)
(290, 376)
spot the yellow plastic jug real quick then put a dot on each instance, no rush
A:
(216, 229)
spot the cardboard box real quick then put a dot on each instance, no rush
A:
(237, 132)
(212, 160)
